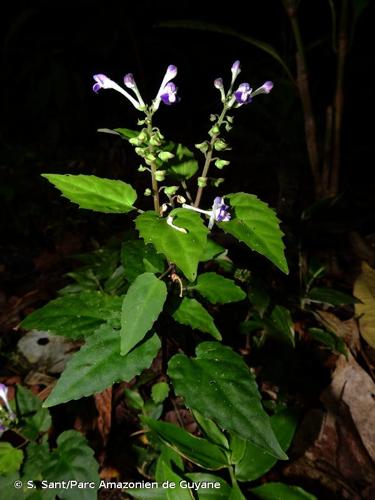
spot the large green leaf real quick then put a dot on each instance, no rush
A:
(94, 193)
(219, 384)
(190, 312)
(184, 250)
(75, 315)
(73, 459)
(253, 462)
(256, 224)
(37, 456)
(217, 289)
(33, 417)
(138, 258)
(280, 491)
(197, 450)
(330, 297)
(98, 364)
(10, 458)
(140, 309)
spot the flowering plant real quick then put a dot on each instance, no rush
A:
(173, 272)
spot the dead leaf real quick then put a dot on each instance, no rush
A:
(103, 403)
(364, 289)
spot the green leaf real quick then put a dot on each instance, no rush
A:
(133, 399)
(191, 313)
(253, 463)
(159, 392)
(33, 417)
(211, 493)
(126, 133)
(211, 430)
(226, 30)
(140, 309)
(211, 250)
(175, 492)
(330, 297)
(94, 193)
(280, 491)
(280, 325)
(184, 250)
(256, 224)
(73, 459)
(75, 315)
(37, 456)
(219, 384)
(258, 296)
(10, 458)
(98, 365)
(138, 258)
(329, 339)
(8, 490)
(217, 289)
(184, 170)
(197, 450)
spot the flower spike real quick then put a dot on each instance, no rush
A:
(103, 82)
(168, 90)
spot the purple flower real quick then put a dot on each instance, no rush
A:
(103, 82)
(220, 212)
(129, 81)
(170, 94)
(264, 89)
(218, 83)
(243, 94)
(236, 70)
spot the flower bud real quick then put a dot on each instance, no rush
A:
(220, 145)
(129, 81)
(165, 155)
(221, 163)
(148, 192)
(160, 175)
(202, 181)
(171, 190)
(203, 146)
(141, 168)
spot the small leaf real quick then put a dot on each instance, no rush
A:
(34, 418)
(10, 458)
(329, 339)
(191, 313)
(221, 387)
(211, 430)
(73, 459)
(98, 365)
(184, 250)
(197, 450)
(256, 224)
(331, 297)
(94, 193)
(364, 289)
(159, 392)
(280, 491)
(126, 133)
(138, 258)
(280, 325)
(140, 309)
(184, 170)
(133, 399)
(75, 315)
(217, 289)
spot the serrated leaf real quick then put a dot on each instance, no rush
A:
(73, 459)
(184, 250)
(280, 325)
(190, 312)
(364, 289)
(197, 450)
(220, 386)
(256, 224)
(10, 458)
(330, 297)
(75, 315)
(329, 339)
(254, 463)
(141, 307)
(94, 193)
(217, 289)
(37, 456)
(280, 491)
(211, 250)
(98, 365)
(34, 418)
(137, 258)
(183, 170)
(159, 392)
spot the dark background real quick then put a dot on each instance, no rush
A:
(49, 114)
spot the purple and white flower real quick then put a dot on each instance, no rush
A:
(103, 82)
(219, 84)
(243, 94)
(236, 70)
(168, 90)
(218, 213)
(264, 89)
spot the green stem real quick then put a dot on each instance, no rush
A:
(209, 153)
(154, 182)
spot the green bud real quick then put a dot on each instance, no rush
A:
(148, 192)
(202, 146)
(202, 181)
(220, 145)
(165, 155)
(221, 163)
(160, 175)
(140, 152)
(218, 181)
(142, 136)
(141, 168)
(230, 119)
(214, 131)
(135, 141)
(228, 127)
(171, 190)
(154, 141)
(150, 157)
(213, 118)
(141, 122)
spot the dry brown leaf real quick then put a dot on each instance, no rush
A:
(103, 403)
(364, 289)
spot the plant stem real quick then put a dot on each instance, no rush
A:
(209, 156)
(154, 182)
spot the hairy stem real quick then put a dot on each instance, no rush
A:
(154, 182)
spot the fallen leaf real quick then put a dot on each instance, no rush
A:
(364, 289)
